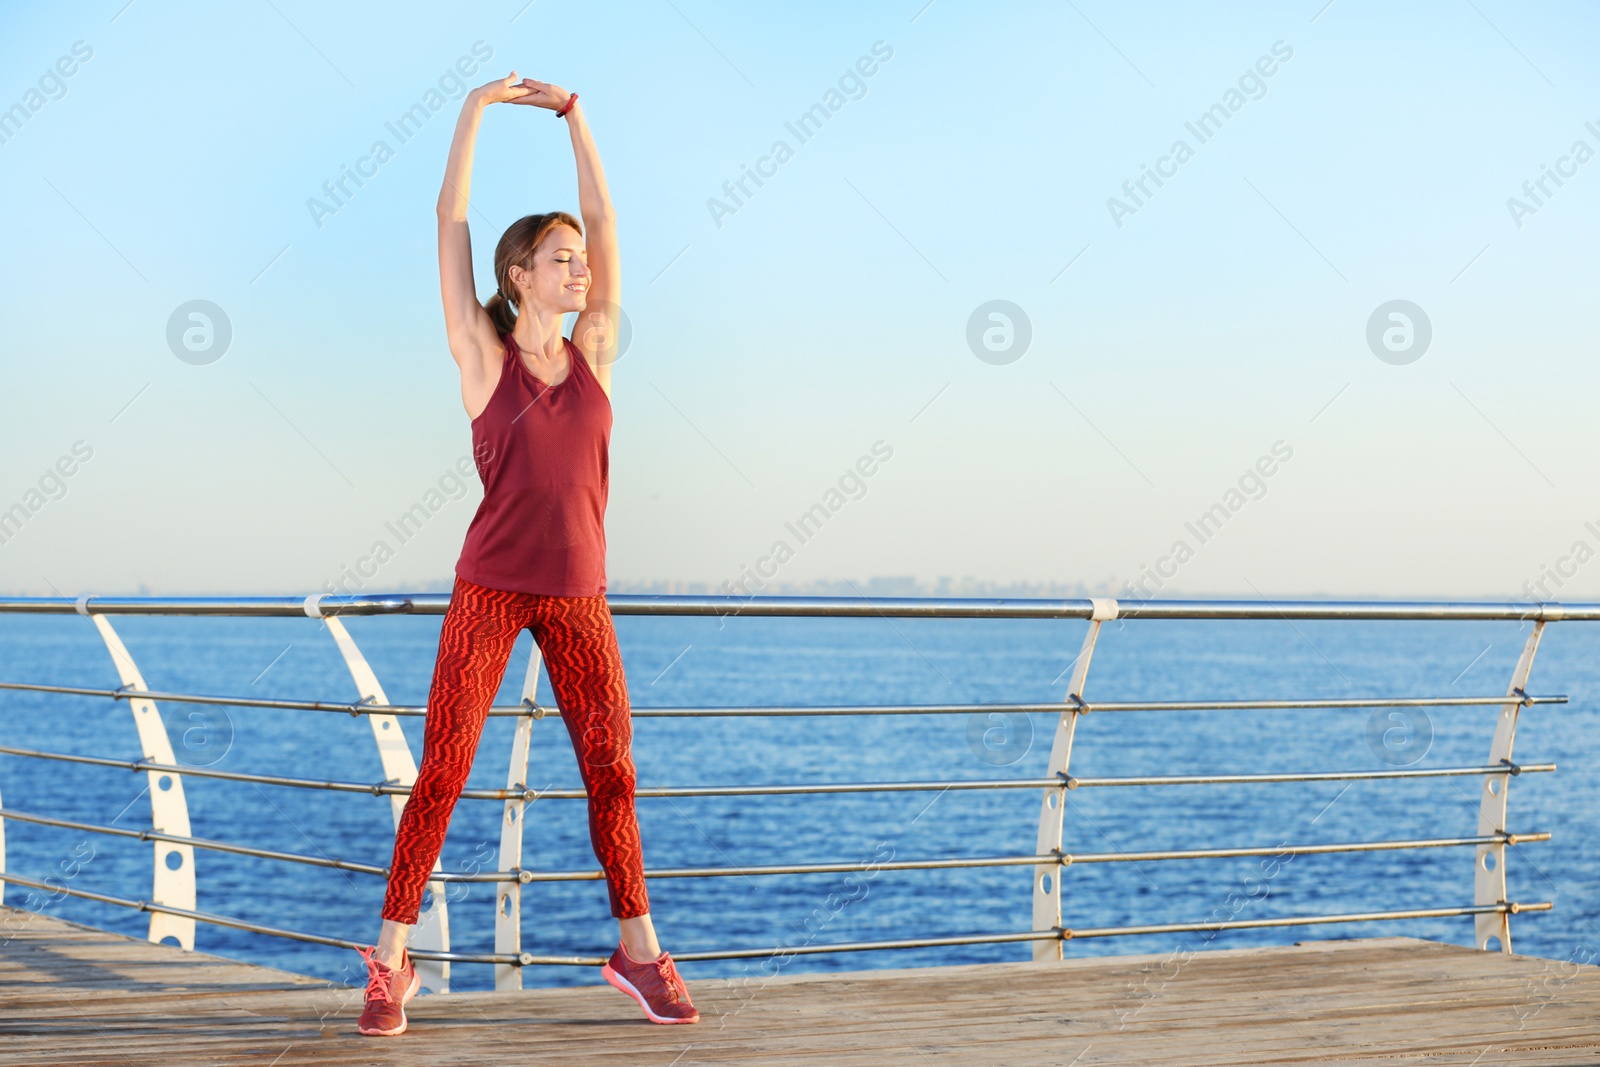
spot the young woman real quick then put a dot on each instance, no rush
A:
(534, 556)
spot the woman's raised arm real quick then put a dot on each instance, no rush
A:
(597, 331)
(471, 334)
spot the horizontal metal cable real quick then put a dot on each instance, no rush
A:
(245, 850)
(386, 789)
(1048, 708)
(1047, 783)
(1315, 776)
(241, 924)
(1313, 705)
(1314, 920)
(527, 876)
(358, 708)
(1300, 850)
(1059, 934)
(831, 607)
(377, 789)
(530, 959)
(353, 709)
(1065, 859)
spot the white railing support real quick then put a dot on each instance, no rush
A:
(174, 881)
(2, 855)
(1047, 876)
(508, 895)
(1489, 868)
(433, 924)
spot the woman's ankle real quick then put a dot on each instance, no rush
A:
(638, 937)
(642, 955)
(391, 947)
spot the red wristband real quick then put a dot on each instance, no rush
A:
(567, 106)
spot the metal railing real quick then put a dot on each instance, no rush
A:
(172, 899)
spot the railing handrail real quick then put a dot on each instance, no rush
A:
(540, 711)
(172, 902)
(830, 607)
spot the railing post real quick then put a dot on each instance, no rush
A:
(2, 855)
(432, 931)
(169, 810)
(508, 895)
(1047, 876)
(1489, 868)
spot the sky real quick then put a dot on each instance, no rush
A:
(1341, 344)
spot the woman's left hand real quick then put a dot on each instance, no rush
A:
(543, 94)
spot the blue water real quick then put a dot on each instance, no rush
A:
(678, 662)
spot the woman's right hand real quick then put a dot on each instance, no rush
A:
(501, 90)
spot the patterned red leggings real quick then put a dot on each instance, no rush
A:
(579, 645)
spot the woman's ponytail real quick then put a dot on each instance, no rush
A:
(501, 313)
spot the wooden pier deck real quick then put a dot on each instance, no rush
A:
(73, 995)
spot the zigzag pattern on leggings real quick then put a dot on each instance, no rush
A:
(579, 644)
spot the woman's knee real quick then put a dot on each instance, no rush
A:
(603, 740)
(440, 779)
(611, 782)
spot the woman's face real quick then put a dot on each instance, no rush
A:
(559, 280)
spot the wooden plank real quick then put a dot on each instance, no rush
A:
(73, 995)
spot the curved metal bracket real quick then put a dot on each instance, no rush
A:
(1489, 866)
(508, 895)
(432, 931)
(174, 882)
(1047, 876)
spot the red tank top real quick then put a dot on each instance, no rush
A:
(542, 453)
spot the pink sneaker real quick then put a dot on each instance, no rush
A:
(388, 992)
(655, 985)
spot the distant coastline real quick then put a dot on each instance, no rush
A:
(878, 586)
(875, 586)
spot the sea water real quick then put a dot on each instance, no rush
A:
(743, 662)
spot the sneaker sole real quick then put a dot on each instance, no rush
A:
(619, 982)
(416, 984)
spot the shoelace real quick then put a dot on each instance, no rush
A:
(377, 980)
(669, 976)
